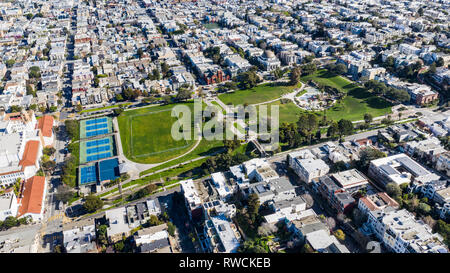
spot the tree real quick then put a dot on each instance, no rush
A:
(393, 190)
(9, 63)
(308, 59)
(130, 94)
(307, 125)
(119, 97)
(164, 217)
(340, 235)
(72, 128)
(231, 145)
(366, 156)
(432, 69)
(294, 77)
(140, 52)
(397, 95)
(34, 72)
(64, 193)
(171, 228)
(15, 108)
(389, 61)
(154, 221)
(345, 127)
(308, 69)
(92, 203)
(253, 204)
(30, 91)
(213, 53)
(443, 229)
(333, 130)
(248, 79)
(48, 165)
(10, 222)
(79, 108)
(164, 68)
(183, 94)
(338, 69)
(423, 208)
(151, 188)
(119, 246)
(155, 75)
(368, 118)
(118, 111)
(440, 62)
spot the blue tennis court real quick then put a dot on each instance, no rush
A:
(98, 156)
(88, 174)
(98, 149)
(97, 126)
(97, 132)
(97, 120)
(97, 142)
(108, 169)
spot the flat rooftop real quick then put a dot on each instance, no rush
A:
(349, 178)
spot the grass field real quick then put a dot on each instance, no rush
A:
(258, 94)
(211, 26)
(146, 134)
(288, 112)
(357, 102)
(203, 149)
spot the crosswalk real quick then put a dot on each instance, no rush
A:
(55, 217)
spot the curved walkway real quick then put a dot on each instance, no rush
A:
(140, 166)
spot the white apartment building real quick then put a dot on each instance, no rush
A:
(399, 169)
(308, 168)
(402, 233)
(192, 198)
(8, 205)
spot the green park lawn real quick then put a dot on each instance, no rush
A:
(261, 93)
(288, 112)
(146, 134)
(357, 102)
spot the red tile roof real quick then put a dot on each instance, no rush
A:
(46, 125)
(30, 155)
(33, 195)
(369, 204)
(386, 198)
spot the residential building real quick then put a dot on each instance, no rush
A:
(117, 222)
(79, 236)
(153, 240)
(308, 169)
(31, 204)
(45, 124)
(192, 198)
(400, 232)
(8, 205)
(399, 169)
